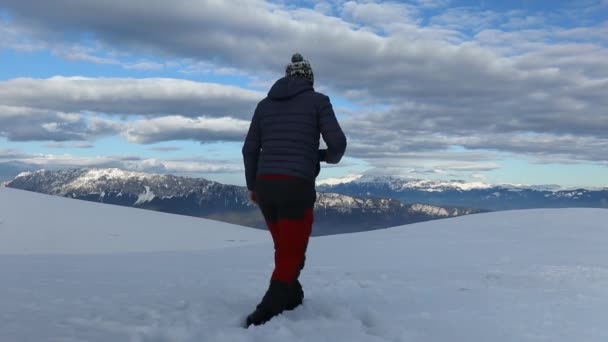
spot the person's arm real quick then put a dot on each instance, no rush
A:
(251, 151)
(332, 134)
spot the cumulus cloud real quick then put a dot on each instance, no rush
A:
(181, 128)
(544, 148)
(66, 108)
(129, 96)
(465, 78)
(10, 153)
(73, 145)
(379, 14)
(431, 162)
(31, 124)
(11, 160)
(393, 68)
(466, 18)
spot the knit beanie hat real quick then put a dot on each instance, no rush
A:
(300, 67)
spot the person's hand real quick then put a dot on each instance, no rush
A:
(252, 197)
(321, 158)
(322, 155)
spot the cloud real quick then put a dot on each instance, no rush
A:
(181, 128)
(545, 148)
(165, 148)
(203, 166)
(425, 168)
(468, 78)
(466, 18)
(421, 159)
(64, 145)
(325, 7)
(260, 42)
(129, 96)
(379, 14)
(10, 153)
(432, 4)
(11, 37)
(59, 161)
(30, 124)
(190, 67)
(145, 66)
(398, 65)
(67, 108)
(403, 137)
(12, 162)
(394, 67)
(79, 53)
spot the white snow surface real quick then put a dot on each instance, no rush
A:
(32, 223)
(79, 271)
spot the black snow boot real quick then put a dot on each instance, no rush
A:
(296, 296)
(274, 302)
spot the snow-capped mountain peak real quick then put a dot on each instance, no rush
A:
(431, 185)
(27, 173)
(342, 180)
(92, 177)
(114, 173)
(440, 185)
(399, 183)
(144, 187)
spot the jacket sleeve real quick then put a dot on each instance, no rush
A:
(251, 150)
(332, 134)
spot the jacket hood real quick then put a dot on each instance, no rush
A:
(288, 87)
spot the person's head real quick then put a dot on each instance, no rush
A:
(300, 67)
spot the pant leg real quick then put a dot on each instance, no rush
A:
(293, 241)
(287, 206)
(266, 202)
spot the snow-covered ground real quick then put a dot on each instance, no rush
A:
(32, 223)
(80, 271)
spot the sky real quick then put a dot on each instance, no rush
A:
(491, 91)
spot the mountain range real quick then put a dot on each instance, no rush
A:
(334, 213)
(468, 194)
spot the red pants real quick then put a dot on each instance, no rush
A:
(287, 205)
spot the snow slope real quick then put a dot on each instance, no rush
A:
(534, 275)
(32, 223)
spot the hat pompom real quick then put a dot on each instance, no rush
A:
(296, 58)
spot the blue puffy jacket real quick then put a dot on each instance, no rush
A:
(283, 137)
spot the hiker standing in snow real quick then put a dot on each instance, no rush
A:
(282, 159)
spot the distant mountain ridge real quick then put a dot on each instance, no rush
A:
(468, 194)
(334, 213)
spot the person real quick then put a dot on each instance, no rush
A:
(282, 160)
